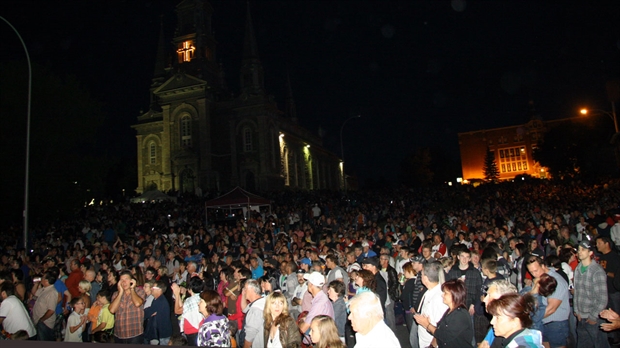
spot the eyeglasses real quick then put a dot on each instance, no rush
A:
(485, 290)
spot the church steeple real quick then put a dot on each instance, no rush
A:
(159, 73)
(194, 41)
(290, 110)
(252, 78)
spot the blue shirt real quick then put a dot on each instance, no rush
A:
(258, 272)
(61, 288)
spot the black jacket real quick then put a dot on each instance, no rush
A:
(381, 289)
(393, 284)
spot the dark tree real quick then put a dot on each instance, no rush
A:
(443, 166)
(415, 169)
(64, 122)
(578, 148)
(490, 170)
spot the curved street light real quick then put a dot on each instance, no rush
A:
(344, 176)
(611, 114)
(615, 138)
(27, 175)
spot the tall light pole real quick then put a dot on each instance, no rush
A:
(615, 138)
(27, 175)
(344, 176)
(611, 114)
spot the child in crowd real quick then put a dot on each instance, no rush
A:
(76, 322)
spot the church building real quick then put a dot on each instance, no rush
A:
(197, 136)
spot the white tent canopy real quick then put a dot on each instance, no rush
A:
(153, 196)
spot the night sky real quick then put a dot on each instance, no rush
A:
(418, 72)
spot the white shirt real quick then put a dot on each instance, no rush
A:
(399, 266)
(275, 341)
(300, 290)
(316, 211)
(434, 308)
(380, 336)
(74, 319)
(615, 233)
(18, 318)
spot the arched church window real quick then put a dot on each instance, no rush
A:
(186, 131)
(152, 153)
(247, 139)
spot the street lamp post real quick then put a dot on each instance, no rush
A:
(611, 114)
(615, 138)
(344, 176)
(27, 175)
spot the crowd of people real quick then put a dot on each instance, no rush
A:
(521, 264)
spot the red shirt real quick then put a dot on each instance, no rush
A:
(73, 281)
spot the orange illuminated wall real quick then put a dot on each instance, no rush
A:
(511, 146)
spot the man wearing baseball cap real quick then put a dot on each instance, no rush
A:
(321, 305)
(590, 285)
(372, 264)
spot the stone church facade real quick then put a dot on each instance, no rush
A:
(197, 136)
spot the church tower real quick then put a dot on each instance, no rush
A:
(252, 75)
(196, 136)
(195, 46)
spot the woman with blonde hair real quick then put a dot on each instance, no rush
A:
(324, 333)
(84, 288)
(280, 329)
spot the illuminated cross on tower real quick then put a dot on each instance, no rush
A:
(187, 51)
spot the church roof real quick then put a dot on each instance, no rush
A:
(179, 83)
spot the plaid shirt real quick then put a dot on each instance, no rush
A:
(191, 314)
(128, 319)
(473, 282)
(590, 291)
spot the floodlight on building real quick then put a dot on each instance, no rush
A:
(459, 180)
(449, 183)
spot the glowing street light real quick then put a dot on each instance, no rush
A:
(614, 138)
(611, 114)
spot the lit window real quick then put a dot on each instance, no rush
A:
(152, 153)
(515, 159)
(186, 51)
(247, 139)
(186, 131)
